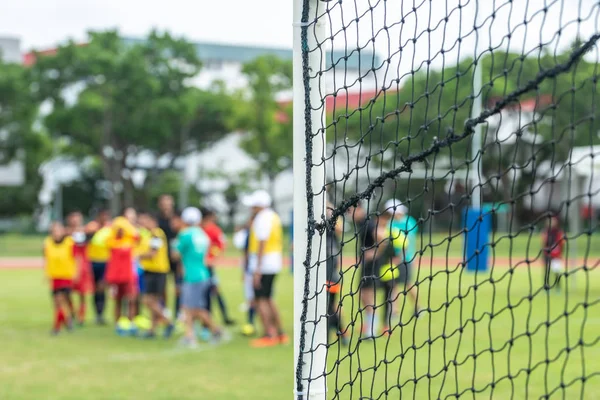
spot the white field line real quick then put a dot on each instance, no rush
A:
(76, 363)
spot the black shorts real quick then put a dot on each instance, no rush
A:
(265, 291)
(98, 270)
(154, 283)
(369, 277)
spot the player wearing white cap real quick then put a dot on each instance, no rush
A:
(265, 261)
(192, 246)
(405, 244)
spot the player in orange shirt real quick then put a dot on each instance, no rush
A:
(60, 268)
(217, 245)
(83, 284)
(120, 268)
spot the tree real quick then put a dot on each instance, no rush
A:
(18, 110)
(435, 104)
(116, 100)
(269, 124)
(23, 200)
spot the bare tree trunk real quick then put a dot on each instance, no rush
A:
(110, 166)
(128, 193)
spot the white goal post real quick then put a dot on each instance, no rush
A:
(310, 348)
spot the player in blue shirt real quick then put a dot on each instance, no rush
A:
(405, 245)
(192, 246)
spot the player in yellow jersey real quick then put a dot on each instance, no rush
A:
(98, 253)
(60, 268)
(154, 260)
(265, 261)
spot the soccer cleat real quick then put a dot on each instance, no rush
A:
(220, 337)
(229, 322)
(283, 338)
(142, 322)
(100, 321)
(265, 341)
(248, 330)
(133, 330)
(168, 331)
(54, 332)
(188, 343)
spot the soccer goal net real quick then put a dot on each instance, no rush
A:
(446, 190)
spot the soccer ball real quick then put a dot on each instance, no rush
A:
(248, 330)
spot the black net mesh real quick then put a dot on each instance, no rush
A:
(422, 301)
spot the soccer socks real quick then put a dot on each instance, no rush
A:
(99, 301)
(59, 319)
(370, 323)
(177, 304)
(81, 312)
(222, 306)
(251, 313)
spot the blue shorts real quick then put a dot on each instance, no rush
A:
(195, 295)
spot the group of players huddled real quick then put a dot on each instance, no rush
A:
(132, 256)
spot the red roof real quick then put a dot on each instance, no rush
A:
(30, 58)
(345, 101)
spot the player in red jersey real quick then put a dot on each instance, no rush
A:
(120, 268)
(217, 245)
(553, 243)
(82, 285)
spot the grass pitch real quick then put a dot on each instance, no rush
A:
(483, 338)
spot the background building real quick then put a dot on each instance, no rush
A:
(12, 173)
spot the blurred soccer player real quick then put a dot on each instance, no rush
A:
(168, 221)
(265, 261)
(368, 263)
(241, 242)
(120, 268)
(334, 279)
(82, 285)
(217, 245)
(192, 245)
(403, 234)
(154, 260)
(553, 242)
(60, 268)
(98, 253)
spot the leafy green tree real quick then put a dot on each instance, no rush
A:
(17, 109)
(269, 124)
(18, 138)
(115, 100)
(434, 105)
(23, 199)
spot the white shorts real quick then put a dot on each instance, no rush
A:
(249, 287)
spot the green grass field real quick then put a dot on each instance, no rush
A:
(464, 343)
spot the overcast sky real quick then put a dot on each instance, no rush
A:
(44, 23)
